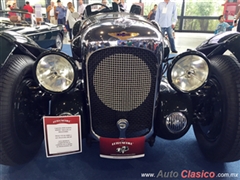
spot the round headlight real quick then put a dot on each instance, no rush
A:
(55, 73)
(189, 72)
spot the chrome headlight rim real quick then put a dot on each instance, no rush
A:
(68, 58)
(180, 56)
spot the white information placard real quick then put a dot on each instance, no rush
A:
(62, 135)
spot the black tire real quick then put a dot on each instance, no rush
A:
(218, 133)
(58, 41)
(21, 134)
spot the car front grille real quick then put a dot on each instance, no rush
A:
(121, 85)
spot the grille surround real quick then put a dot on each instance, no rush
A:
(139, 115)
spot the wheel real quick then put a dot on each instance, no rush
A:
(58, 41)
(21, 131)
(218, 129)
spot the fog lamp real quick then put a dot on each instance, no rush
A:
(176, 122)
(189, 71)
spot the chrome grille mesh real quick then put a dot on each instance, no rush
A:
(122, 85)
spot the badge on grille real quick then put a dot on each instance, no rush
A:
(124, 35)
(122, 125)
(122, 149)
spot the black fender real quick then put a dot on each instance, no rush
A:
(76, 28)
(76, 45)
(220, 43)
(172, 101)
(18, 38)
(6, 49)
(16, 43)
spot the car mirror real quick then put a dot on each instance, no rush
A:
(75, 15)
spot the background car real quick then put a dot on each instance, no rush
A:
(126, 89)
(46, 35)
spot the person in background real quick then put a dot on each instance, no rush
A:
(81, 8)
(70, 21)
(8, 7)
(166, 17)
(119, 4)
(152, 13)
(124, 5)
(29, 9)
(222, 26)
(14, 6)
(61, 12)
(12, 15)
(51, 13)
(236, 21)
(103, 2)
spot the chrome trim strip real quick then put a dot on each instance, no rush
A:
(36, 34)
(97, 137)
(122, 157)
(157, 92)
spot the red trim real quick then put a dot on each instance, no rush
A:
(122, 148)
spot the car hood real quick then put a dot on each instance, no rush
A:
(119, 26)
(117, 29)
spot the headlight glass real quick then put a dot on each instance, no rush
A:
(189, 73)
(176, 122)
(55, 73)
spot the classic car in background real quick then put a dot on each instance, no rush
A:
(124, 86)
(46, 35)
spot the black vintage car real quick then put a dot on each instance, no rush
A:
(125, 88)
(46, 35)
